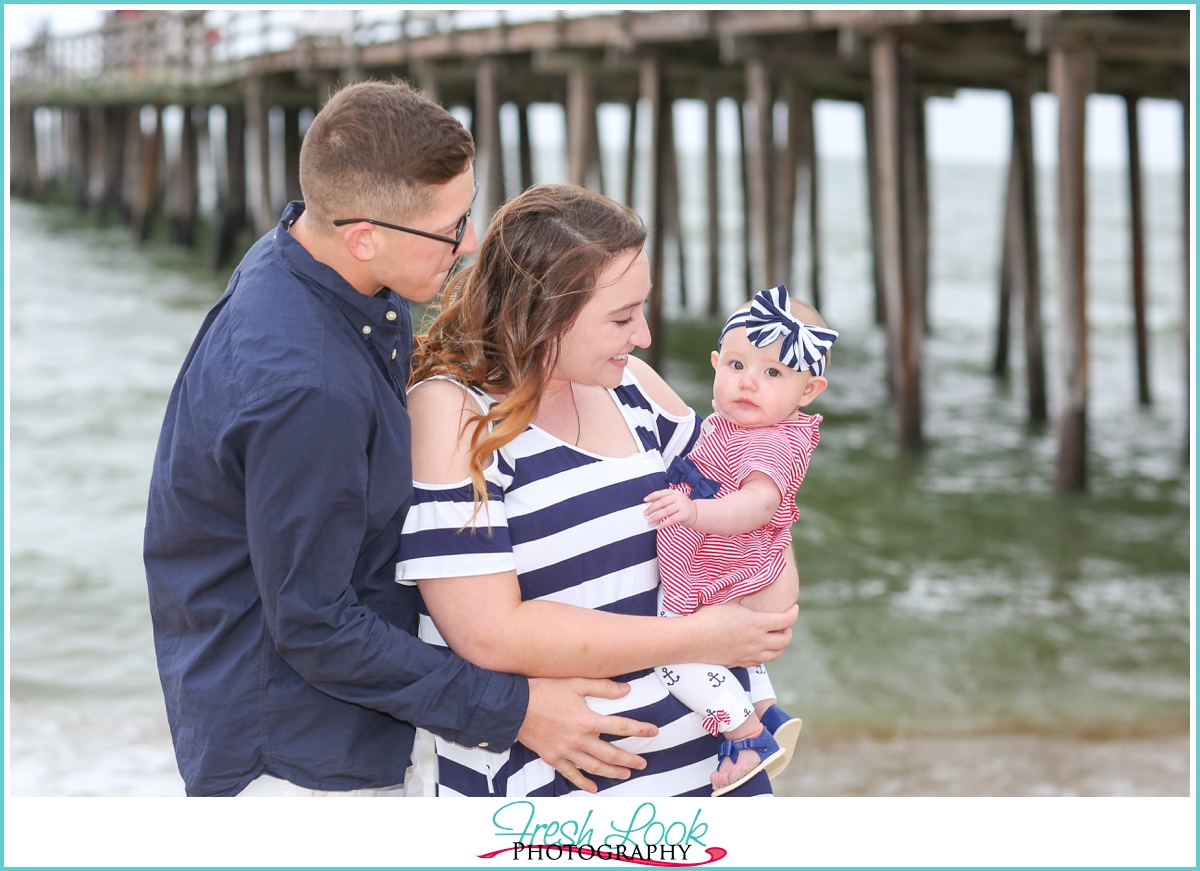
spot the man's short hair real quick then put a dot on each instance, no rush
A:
(377, 150)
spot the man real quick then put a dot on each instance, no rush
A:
(287, 652)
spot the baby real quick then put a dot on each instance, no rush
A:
(751, 456)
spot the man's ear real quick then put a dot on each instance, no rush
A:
(715, 357)
(814, 388)
(360, 242)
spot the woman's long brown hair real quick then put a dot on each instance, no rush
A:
(501, 318)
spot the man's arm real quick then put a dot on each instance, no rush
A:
(306, 477)
(306, 483)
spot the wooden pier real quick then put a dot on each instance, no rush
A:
(103, 95)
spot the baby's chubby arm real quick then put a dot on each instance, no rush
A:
(747, 508)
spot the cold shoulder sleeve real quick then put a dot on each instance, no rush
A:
(445, 535)
(672, 435)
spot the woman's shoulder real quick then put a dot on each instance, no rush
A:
(443, 412)
(654, 388)
(443, 395)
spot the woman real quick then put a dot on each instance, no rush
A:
(536, 437)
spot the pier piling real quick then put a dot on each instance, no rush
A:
(1021, 230)
(1137, 256)
(1071, 73)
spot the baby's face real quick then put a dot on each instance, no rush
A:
(752, 388)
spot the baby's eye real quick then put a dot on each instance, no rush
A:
(774, 373)
(736, 366)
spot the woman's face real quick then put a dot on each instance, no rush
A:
(596, 349)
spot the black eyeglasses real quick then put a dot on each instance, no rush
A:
(460, 229)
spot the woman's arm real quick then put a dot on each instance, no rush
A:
(484, 620)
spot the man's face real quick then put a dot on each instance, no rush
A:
(414, 266)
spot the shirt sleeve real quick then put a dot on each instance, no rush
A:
(306, 519)
(773, 453)
(678, 434)
(445, 537)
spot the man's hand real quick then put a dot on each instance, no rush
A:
(744, 637)
(564, 731)
(668, 507)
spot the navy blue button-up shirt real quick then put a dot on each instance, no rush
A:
(279, 490)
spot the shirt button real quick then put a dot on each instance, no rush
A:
(393, 353)
(366, 329)
(483, 743)
(391, 316)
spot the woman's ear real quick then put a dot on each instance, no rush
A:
(815, 387)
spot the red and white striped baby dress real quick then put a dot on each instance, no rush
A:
(703, 569)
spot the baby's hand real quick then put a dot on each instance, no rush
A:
(668, 507)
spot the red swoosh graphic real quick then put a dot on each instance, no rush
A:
(715, 854)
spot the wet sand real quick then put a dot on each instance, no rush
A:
(126, 750)
(988, 765)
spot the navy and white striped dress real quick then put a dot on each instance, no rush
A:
(571, 524)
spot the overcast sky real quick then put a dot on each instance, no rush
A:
(973, 127)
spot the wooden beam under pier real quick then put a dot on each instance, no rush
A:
(24, 157)
(1004, 313)
(1137, 253)
(131, 162)
(489, 158)
(668, 196)
(802, 131)
(231, 186)
(146, 203)
(760, 145)
(183, 184)
(744, 161)
(905, 328)
(1185, 193)
(712, 190)
(258, 164)
(524, 146)
(78, 129)
(916, 194)
(291, 153)
(97, 170)
(583, 150)
(1071, 80)
(1022, 248)
(116, 126)
(631, 153)
(652, 91)
(783, 195)
(872, 188)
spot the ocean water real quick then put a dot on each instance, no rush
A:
(952, 595)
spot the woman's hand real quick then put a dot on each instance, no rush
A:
(565, 732)
(742, 637)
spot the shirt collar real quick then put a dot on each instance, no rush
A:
(324, 278)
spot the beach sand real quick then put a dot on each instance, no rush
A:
(64, 749)
(988, 765)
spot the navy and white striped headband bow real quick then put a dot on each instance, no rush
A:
(770, 316)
